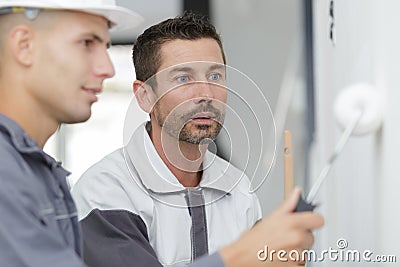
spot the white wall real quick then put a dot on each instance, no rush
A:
(359, 198)
(387, 76)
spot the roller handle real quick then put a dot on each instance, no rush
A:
(302, 205)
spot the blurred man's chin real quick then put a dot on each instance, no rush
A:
(77, 118)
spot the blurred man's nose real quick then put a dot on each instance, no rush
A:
(104, 66)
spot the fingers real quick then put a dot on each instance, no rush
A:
(306, 241)
(290, 203)
(305, 220)
(282, 230)
(296, 238)
(308, 220)
(296, 256)
(300, 226)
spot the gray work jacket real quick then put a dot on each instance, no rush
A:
(38, 219)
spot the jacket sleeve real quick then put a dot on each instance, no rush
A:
(119, 238)
(116, 238)
(24, 238)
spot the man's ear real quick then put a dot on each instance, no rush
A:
(144, 95)
(20, 39)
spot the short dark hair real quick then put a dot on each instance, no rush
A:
(146, 50)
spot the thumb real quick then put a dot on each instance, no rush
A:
(289, 205)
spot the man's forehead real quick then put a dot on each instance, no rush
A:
(180, 51)
(196, 66)
(86, 24)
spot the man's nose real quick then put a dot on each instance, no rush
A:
(203, 92)
(103, 66)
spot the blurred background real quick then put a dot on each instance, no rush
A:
(301, 54)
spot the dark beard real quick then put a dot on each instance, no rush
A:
(202, 133)
(210, 133)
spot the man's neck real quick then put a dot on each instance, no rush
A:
(183, 159)
(35, 125)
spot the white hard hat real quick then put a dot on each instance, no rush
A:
(121, 18)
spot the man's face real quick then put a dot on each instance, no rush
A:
(70, 64)
(190, 86)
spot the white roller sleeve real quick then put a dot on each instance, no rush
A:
(360, 97)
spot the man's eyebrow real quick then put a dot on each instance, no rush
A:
(190, 69)
(181, 69)
(100, 40)
(217, 67)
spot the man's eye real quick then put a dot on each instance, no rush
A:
(215, 76)
(87, 42)
(183, 79)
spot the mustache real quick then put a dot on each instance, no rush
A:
(218, 112)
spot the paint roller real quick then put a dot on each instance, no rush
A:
(359, 110)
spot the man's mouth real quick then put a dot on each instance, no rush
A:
(92, 92)
(203, 117)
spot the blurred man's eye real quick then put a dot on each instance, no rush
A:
(87, 42)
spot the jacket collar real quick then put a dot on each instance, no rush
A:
(156, 177)
(22, 142)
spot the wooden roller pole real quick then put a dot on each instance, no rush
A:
(288, 163)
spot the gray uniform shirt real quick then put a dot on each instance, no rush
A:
(38, 219)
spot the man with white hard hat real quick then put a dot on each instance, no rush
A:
(53, 60)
